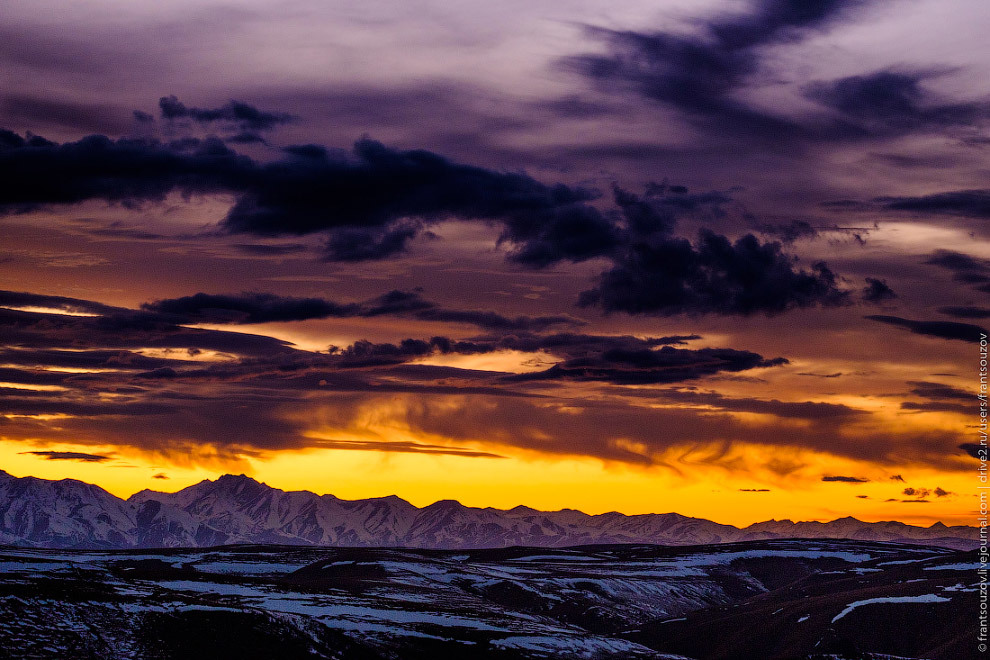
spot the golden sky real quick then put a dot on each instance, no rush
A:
(538, 254)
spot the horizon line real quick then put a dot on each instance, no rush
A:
(483, 508)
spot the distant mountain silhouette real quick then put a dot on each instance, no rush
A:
(237, 509)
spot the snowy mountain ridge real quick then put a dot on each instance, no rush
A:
(237, 509)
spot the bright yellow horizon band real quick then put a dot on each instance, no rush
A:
(542, 482)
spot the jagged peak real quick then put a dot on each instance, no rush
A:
(233, 483)
(67, 481)
(446, 504)
(228, 494)
(391, 499)
(237, 479)
(147, 492)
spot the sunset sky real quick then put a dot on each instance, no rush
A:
(722, 258)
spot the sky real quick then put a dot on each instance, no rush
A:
(722, 258)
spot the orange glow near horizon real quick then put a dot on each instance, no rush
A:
(741, 485)
(541, 482)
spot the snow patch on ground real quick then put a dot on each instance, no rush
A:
(954, 567)
(249, 567)
(587, 647)
(925, 598)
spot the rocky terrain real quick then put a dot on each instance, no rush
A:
(772, 600)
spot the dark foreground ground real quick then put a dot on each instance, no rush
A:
(763, 600)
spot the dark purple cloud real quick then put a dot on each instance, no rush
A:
(83, 117)
(248, 308)
(69, 456)
(700, 74)
(965, 269)
(367, 196)
(813, 410)
(638, 434)
(961, 264)
(647, 366)
(268, 250)
(877, 291)
(940, 329)
(937, 406)
(664, 275)
(891, 102)
(261, 397)
(404, 447)
(261, 383)
(370, 243)
(236, 113)
(74, 305)
(372, 201)
(789, 232)
(128, 330)
(658, 272)
(964, 203)
(966, 312)
(931, 390)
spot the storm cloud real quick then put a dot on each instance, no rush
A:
(699, 74)
(262, 380)
(311, 189)
(892, 102)
(713, 72)
(658, 272)
(248, 308)
(372, 201)
(215, 393)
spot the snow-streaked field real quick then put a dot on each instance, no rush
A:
(579, 602)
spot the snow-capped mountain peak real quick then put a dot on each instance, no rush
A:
(239, 509)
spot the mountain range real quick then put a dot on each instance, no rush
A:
(238, 509)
